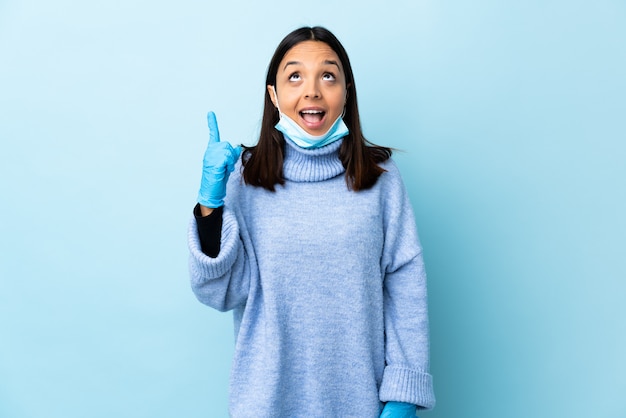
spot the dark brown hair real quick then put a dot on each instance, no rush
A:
(263, 163)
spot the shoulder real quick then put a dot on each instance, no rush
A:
(391, 177)
(390, 166)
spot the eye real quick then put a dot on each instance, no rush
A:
(294, 77)
(328, 77)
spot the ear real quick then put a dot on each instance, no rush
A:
(272, 92)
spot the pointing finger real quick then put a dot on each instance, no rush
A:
(214, 133)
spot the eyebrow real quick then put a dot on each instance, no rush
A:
(291, 63)
(332, 62)
(326, 62)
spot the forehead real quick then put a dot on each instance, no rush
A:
(310, 52)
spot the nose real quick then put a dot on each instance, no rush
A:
(312, 90)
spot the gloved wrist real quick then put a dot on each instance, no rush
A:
(398, 410)
(210, 202)
(219, 162)
(213, 187)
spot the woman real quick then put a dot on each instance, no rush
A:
(311, 241)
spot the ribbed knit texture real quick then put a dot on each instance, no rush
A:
(312, 165)
(328, 291)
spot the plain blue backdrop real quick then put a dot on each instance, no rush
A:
(511, 121)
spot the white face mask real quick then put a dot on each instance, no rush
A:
(302, 138)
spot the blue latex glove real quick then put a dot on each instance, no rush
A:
(219, 161)
(398, 410)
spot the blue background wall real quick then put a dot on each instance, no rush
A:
(511, 118)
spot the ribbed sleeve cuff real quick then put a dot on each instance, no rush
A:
(206, 266)
(401, 384)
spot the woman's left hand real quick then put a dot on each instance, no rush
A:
(398, 410)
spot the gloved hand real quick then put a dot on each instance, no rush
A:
(219, 161)
(398, 410)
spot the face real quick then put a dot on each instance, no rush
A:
(311, 86)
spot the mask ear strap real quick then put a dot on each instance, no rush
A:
(276, 98)
(345, 104)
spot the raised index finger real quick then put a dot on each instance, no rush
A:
(214, 133)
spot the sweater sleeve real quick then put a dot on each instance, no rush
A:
(406, 377)
(221, 282)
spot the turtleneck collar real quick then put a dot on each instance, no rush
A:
(308, 165)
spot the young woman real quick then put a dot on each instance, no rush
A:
(309, 237)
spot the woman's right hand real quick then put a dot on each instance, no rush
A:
(219, 161)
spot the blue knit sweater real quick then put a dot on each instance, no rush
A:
(328, 290)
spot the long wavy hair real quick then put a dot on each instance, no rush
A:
(263, 163)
